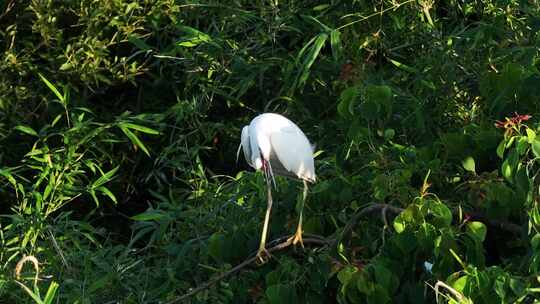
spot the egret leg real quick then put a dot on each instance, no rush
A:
(297, 238)
(262, 253)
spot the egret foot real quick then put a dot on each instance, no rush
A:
(297, 237)
(263, 256)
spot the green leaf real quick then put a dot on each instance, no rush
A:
(389, 134)
(383, 276)
(408, 217)
(321, 7)
(335, 43)
(281, 294)
(104, 178)
(108, 193)
(26, 129)
(468, 164)
(531, 135)
(477, 230)
(364, 284)
(139, 128)
(135, 140)
(150, 215)
(9, 177)
(377, 102)
(51, 293)
(536, 147)
(139, 43)
(216, 246)
(310, 58)
(403, 66)
(347, 99)
(193, 37)
(522, 145)
(461, 283)
(345, 274)
(34, 296)
(535, 242)
(52, 88)
(441, 214)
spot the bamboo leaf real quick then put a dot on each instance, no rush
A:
(134, 139)
(52, 88)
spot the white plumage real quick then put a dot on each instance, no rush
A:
(276, 139)
(276, 145)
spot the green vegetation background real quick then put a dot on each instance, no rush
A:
(120, 120)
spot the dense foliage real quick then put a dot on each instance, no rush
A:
(120, 120)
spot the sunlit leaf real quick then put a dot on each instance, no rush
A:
(26, 129)
(468, 164)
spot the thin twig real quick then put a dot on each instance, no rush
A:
(9, 6)
(318, 240)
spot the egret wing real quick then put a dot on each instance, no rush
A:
(294, 151)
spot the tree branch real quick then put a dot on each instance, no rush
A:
(282, 243)
(286, 241)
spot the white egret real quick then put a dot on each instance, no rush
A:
(276, 145)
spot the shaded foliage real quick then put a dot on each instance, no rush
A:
(120, 120)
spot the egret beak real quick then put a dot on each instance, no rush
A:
(238, 152)
(268, 173)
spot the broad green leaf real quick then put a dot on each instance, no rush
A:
(531, 135)
(477, 230)
(507, 170)
(536, 147)
(461, 283)
(26, 129)
(383, 276)
(364, 284)
(535, 242)
(347, 100)
(522, 145)
(408, 217)
(378, 102)
(281, 294)
(389, 134)
(468, 164)
(441, 214)
(345, 274)
(216, 246)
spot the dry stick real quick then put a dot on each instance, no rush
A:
(282, 245)
(318, 240)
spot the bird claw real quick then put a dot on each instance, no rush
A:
(297, 238)
(263, 256)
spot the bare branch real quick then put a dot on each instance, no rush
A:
(282, 243)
